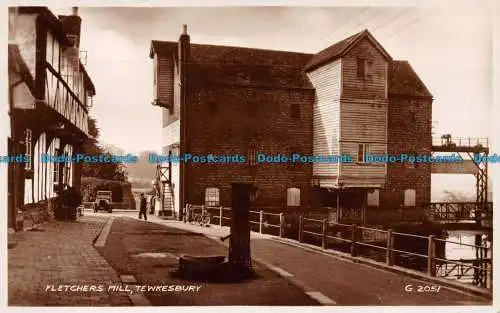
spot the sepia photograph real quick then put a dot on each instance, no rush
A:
(270, 156)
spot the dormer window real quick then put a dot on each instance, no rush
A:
(365, 68)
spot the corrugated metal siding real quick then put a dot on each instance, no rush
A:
(326, 80)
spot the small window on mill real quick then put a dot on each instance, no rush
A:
(364, 68)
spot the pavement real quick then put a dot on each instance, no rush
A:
(62, 253)
(145, 254)
(336, 280)
(48, 258)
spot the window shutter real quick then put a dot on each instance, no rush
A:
(361, 67)
(360, 153)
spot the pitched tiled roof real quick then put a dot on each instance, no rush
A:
(162, 47)
(338, 49)
(213, 64)
(403, 81)
(244, 66)
(331, 52)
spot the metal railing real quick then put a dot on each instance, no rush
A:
(355, 239)
(458, 211)
(448, 141)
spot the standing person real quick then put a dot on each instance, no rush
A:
(142, 210)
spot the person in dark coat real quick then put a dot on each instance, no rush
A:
(142, 210)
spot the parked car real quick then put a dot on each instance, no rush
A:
(103, 201)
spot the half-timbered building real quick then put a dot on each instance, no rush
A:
(50, 94)
(350, 99)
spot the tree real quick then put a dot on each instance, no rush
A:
(113, 171)
(92, 125)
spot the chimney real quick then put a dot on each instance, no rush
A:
(72, 25)
(184, 45)
(13, 14)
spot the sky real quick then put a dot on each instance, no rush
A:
(450, 49)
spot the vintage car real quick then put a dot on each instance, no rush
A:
(103, 201)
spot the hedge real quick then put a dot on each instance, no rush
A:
(121, 191)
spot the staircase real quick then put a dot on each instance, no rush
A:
(165, 191)
(168, 209)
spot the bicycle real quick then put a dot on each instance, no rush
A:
(202, 219)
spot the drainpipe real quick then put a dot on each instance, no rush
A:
(184, 49)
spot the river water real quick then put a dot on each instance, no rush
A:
(457, 251)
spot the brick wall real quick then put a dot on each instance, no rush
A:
(409, 132)
(225, 120)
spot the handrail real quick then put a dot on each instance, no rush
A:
(410, 253)
(409, 235)
(463, 244)
(355, 241)
(460, 141)
(273, 214)
(374, 229)
(313, 220)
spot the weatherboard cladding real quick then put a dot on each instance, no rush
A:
(326, 123)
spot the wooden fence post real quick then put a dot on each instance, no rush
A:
(301, 228)
(324, 242)
(282, 224)
(490, 273)
(431, 270)
(220, 216)
(187, 215)
(261, 220)
(353, 239)
(389, 259)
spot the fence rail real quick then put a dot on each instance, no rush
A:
(352, 238)
(459, 141)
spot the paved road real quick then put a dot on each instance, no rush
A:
(61, 254)
(344, 282)
(130, 248)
